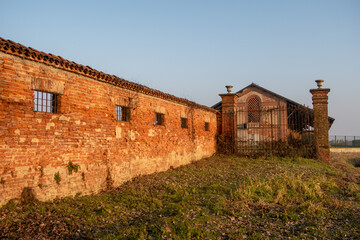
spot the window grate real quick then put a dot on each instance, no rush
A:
(123, 113)
(159, 118)
(254, 109)
(45, 102)
(184, 123)
(207, 126)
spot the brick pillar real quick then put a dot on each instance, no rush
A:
(321, 121)
(228, 120)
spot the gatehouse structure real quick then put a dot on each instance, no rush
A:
(257, 121)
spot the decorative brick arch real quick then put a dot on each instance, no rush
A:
(253, 107)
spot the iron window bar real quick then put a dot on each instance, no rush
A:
(159, 118)
(184, 123)
(207, 126)
(45, 102)
(123, 113)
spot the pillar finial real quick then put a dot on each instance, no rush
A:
(319, 82)
(229, 88)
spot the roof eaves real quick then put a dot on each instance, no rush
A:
(10, 47)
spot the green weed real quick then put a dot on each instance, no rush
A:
(57, 177)
(217, 198)
(71, 167)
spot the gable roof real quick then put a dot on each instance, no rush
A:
(13, 48)
(254, 85)
(218, 105)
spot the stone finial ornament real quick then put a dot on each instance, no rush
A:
(319, 83)
(229, 88)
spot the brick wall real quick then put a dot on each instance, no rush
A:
(35, 146)
(321, 123)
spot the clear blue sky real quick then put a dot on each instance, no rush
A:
(193, 48)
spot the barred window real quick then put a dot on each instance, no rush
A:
(159, 118)
(254, 109)
(207, 126)
(45, 102)
(123, 113)
(184, 123)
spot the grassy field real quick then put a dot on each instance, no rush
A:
(222, 197)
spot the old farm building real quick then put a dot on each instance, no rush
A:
(265, 121)
(57, 116)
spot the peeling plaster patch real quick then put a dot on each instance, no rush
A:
(98, 130)
(77, 122)
(21, 171)
(132, 135)
(183, 114)
(34, 140)
(84, 123)
(17, 131)
(160, 109)
(49, 125)
(151, 133)
(57, 133)
(22, 140)
(63, 118)
(39, 120)
(52, 118)
(118, 132)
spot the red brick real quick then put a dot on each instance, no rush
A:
(84, 132)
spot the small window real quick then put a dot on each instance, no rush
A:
(45, 102)
(159, 118)
(122, 113)
(184, 123)
(207, 126)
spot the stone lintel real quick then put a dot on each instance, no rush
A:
(47, 85)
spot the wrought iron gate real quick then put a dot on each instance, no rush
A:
(269, 130)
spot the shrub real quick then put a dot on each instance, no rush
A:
(73, 167)
(57, 178)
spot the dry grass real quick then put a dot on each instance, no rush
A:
(223, 197)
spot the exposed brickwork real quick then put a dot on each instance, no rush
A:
(34, 146)
(256, 118)
(10, 47)
(321, 123)
(228, 121)
(267, 101)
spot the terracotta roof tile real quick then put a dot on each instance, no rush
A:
(10, 47)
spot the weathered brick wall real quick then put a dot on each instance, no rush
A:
(321, 123)
(34, 146)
